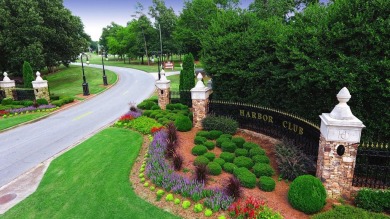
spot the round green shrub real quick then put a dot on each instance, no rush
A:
(229, 136)
(246, 177)
(219, 141)
(238, 141)
(186, 204)
(201, 160)
(256, 151)
(208, 212)
(214, 168)
(267, 184)
(199, 150)
(228, 146)
(209, 155)
(183, 123)
(220, 161)
(203, 134)
(200, 140)
(229, 167)
(250, 145)
(227, 157)
(307, 194)
(214, 134)
(42, 101)
(155, 107)
(263, 169)
(147, 113)
(242, 161)
(7, 101)
(209, 145)
(146, 105)
(241, 152)
(261, 159)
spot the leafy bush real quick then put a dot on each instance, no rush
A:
(201, 160)
(246, 177)
(229, 167)
(146, 105)
(229, 136)
(54, 97)
(233, 188)
(221, 123)
(242, 161)
(373, 200)
(219, 141)
(58, 103)
(292, 162)
(238, 141)
(42, 101)
(7, 101)
(256, 151)
(307, 194)
(199, 150)
(220, 161)
(169, 197)
(267, 184)
(262, 169)
(198, 208)
(186, 204)
(347, 211)
(227, 157)
(250, 145)
(199, 140)
(155, 107)
(201, 172)
(261, 159)
(228, 146)
(214, 134)
(241, 152)
(208, 212)
(203, 134)
(209, 155)
(28, 103)
(143, 124)
(176, 201)
(214, 168)
(176, 106)
(209, 145)
(183, 123)
(268, 213)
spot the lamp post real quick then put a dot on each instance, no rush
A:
(158, 63)
(85, 84)
(104, 71)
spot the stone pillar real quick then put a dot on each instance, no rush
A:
(339, 140)
(41, 89)
(163, 86)
(200, 101)
(7, 85)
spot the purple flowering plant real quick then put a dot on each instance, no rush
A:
(32, 108)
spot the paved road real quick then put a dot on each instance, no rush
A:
(25, 147)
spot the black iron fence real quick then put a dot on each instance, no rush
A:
(372, 168)
(2, 94)
(302, 133)
(183, 97)
(23, 94)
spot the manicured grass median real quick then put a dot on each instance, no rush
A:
(15, 120)
(91, 181)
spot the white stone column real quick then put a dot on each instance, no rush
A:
(339, 140)
(163, 86)
(7, 85)
(200, 101)
(41, 89)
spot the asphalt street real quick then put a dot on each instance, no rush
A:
(25, 147)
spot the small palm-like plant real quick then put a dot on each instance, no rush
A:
(177, 161)
(233, 188)
(201, 173)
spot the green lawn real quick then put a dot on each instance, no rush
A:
(15, 120)
(68, 81)
(175, 81)
(91, 181)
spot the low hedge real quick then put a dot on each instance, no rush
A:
(242, 161)
(209, 155)
(262, 169)
(201, 160)
(202, 133)
(267, 184)
(374, 200)
(261, 159)
(246, 177)
(200, 140)
(238, 141)
(220, 161)
(256, 151)
(209, 145)
(241, 152)
(214, 134)
(214, 168)
(250, 145)
(221, 140)
(221, 123)
(228, 146)
(227, 157)
(229, 136)
(229, 167)
(199, 150)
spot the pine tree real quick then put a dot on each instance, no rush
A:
(28, 76)
(187, 77)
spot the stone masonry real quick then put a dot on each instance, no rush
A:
(41, 88)
(200, 101)
(163, 86)
(7, 85)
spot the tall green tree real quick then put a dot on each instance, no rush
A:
(187, 77)
(28, 75)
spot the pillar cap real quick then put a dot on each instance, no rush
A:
(6, 78)
(342, 111)
(38, 76)
(200, 83)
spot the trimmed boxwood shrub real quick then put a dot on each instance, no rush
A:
(183, 123)
(199, 140)
(209, 145)
(214, 168)
(238, 141)
(146, 105)
(228, 146)
(147, 113)
(221, 123)
(155, 107)
(267, 184)
(7, 101)
(256, 151)
(219, 141)
(246, 177)
(229, 167)
(227, 157)
(307, 194)
(176, 106)
(373, 200)
(199, 150)
(203, 134)
(220, 161)
(242, 161)
(201, 160)
(229, 136)
(209, 155)
(42, 101)
(241, 152)
(214, 134)
(263, 169)
(261, 159)
(250, 145)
